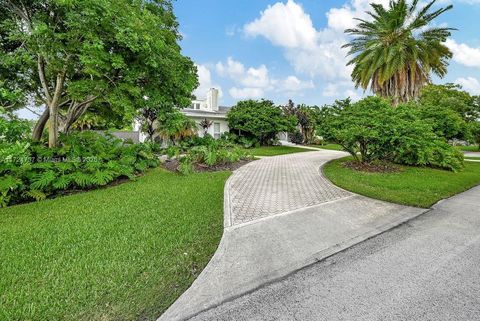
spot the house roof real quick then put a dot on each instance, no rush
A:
(221, 113)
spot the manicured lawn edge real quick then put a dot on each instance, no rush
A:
(473, 148)
(276, 150)
(328, 146)
(414, 186)
(125, 252)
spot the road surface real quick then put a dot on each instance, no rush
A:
(426, 269)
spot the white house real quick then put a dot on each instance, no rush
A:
(209, 109)
(199, 110)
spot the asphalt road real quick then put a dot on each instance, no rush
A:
(426, 269)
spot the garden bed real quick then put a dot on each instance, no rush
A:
(275, 150)
(373, 167)
(173, 166)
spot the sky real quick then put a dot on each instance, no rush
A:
(291, 49)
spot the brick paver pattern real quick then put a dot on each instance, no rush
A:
(276, 185)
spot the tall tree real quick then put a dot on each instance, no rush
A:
(397, 50)
(73, 54)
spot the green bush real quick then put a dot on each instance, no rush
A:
(13, 129)
(260, 120)
(83, 161)
(372, 130)
(296, 137)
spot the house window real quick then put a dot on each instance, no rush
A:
(197, 106)
(216, 130)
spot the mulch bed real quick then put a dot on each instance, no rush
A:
(373, 167)
(172, 165)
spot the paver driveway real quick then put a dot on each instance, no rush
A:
(281, 214)
(277, 185)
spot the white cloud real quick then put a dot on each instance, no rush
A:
(343, 18)
(231, 69)
(285, 25)
(205, 80)
(256, 77)
(246, 93)
(313, 52)
(293, 84)
(471, 2)
(464, 54)
(342, 89)
(470, 84)
(353, 95)
(254, 82)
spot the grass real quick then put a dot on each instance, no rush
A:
(121, 253)
(275, 150)
(474, 148)
(328, 146)
(414, 186)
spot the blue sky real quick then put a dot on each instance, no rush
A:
(291, 48)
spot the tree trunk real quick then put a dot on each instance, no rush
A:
(53, 106)
(40, 125)
(53, 127)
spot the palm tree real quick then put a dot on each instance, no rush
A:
(396, 52)
(205, 124)
(175, 127)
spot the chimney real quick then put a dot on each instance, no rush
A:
(212, 99)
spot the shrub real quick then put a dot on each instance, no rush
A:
(209, 156)
(83, 161)
(296, 137)
(372, 130)
(475, 132)
(13, 129)
(260, 120)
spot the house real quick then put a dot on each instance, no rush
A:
(209, 109)
(199, 110)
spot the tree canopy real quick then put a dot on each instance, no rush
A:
(70, 55)
(259, 119)
(397, 50)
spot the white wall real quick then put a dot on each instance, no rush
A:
(209, 104)
(223, 126)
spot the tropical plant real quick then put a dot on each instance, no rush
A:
(397, 50)
(259, 119)
(82, 161)
(296, 137)
(72, 55)
(475, 133)
(450, 96)
(370, 130)
(13, 129)
(205, 124)
(150, 115)
(175, 126)
(326, 118)
(306, 116)
(209, 156)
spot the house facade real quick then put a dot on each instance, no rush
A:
(208, 109)
(199, 110)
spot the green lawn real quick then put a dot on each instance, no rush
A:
(275, 150)
(414, 186)
(120, 253)
(469, 148)
(328, 146)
